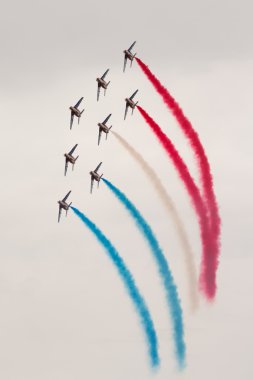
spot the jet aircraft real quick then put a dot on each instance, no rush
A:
(95, 176)
(103, 128)
(69, 158)
(130, 103)
(102, 83)
(75, 112)
(63, 205)
(129, 55)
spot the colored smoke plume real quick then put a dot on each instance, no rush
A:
(172, 212)
(208, 270)
(172, 297)
(203, 163)
(131, 287)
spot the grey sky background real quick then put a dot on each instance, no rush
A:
(64, 312)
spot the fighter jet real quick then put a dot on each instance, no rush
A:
(130, 103)
(63, 205)
(103, 128)
(102, 83)
(75, 112)
(70, 158)
(95, 176)
(129, 55)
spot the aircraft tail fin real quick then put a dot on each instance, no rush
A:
(132, 59)
(80, 115)
(100, 179)
(108, 131)
(135, 104)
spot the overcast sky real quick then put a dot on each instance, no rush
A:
(64, 312)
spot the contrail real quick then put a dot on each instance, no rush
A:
(131, 287)
(166, 276)
(207, 275)
(171, 209)
(203, 163)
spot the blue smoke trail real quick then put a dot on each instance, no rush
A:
(131, 287)
(170, 287)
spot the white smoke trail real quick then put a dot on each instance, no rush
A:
(188, 255)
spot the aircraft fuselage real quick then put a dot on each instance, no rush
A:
(70, 158)
(95, 176)
(130, 103)
(129, 55)
(103, 127)
(75, 111)
(102, 83)
(63, 205)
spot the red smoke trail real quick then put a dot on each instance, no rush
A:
(205, 171)
(209, 263)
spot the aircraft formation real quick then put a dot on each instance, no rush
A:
(75, 111)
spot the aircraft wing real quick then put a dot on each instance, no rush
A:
(103, 76)
(98, 92)
(71, 119)
(79, 101)
(132, 46)
(108, 117)
(126, 111)
(97, 167)
(91, 184)
(133, 95)
(72, 150)
(66, 167)
(59, 214)
(66, 196)
(125, 61)
(99, 135)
